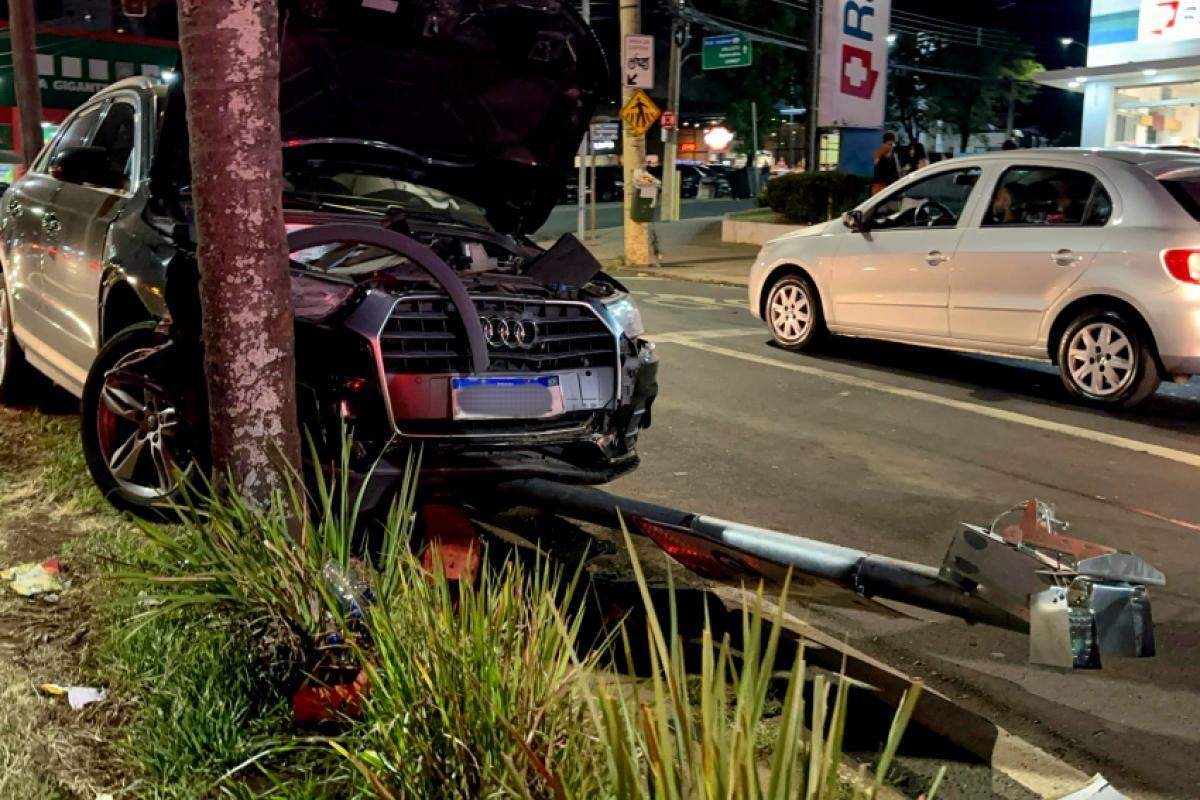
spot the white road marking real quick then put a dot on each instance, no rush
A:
(689, 339)
(713, 333)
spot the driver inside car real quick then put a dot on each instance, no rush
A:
(1005, 204)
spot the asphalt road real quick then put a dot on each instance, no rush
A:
(885, 448)
(608, 215)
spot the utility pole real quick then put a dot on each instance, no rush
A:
(753, 167)
(814, 96)
(633, 148)
(584, 146)
(25, 77)
(1012, 108)
(670, 185)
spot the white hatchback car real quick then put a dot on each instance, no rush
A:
(1087, 258)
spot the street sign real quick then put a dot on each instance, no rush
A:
(726, 52)
(640, 113)
(668, 120)
(606, 131)
(639, 61)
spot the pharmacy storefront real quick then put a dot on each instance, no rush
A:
(1141, 85)
(72, 66)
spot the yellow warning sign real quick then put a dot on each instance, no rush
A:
(640, 113)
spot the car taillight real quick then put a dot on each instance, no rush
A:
(1184, 265)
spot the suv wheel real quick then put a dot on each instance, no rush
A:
(133, 432)
(793, 313)
(1107, 360)
(12, 361)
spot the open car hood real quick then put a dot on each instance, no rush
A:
(487, 100)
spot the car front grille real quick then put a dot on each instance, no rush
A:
(425, 335)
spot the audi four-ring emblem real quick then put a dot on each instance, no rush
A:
(509, 332)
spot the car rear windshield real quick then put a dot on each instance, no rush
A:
(1186, 192)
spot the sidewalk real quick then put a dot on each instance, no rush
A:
(689, 250)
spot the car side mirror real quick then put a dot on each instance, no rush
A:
(87, 165)
(854, 220)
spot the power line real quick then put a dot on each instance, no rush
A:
(752, 32)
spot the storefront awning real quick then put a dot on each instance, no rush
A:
(1140, 73)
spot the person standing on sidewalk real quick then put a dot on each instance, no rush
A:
(913, 157)
(887, 165)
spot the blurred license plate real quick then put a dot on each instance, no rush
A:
(538, 397)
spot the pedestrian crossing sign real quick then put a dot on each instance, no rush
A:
(640, 113)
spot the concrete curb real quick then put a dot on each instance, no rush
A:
(737, 231)
(682, 276)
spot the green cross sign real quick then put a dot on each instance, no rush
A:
(727, 51)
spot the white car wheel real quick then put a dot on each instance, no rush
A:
(1101, 359)
(1107, 360)
(793, 312)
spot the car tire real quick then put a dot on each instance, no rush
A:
(135, 440)
(14, 372)
(1106, 359)
(793, 313)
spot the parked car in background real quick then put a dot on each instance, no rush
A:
(435, 321)
(1089, 259)
(716, 180)
(692, 178)
(610, 185)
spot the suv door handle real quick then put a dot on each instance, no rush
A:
(936, 258)
(50, 224)
(14, 207)
(1065, 257)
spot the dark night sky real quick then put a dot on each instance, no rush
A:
(1041, 23)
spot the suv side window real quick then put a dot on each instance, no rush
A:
(1048, 196)
(74, 134)
(117, 135)
(936, 202)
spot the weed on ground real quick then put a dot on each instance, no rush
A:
(203, 632)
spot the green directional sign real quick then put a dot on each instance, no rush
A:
(727, 51)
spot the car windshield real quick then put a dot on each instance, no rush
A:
(331, 183)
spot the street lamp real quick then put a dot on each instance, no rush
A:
(1067, 42)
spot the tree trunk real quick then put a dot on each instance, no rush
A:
(26, 86)
(231, 68)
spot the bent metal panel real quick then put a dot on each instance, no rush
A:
(854, 54)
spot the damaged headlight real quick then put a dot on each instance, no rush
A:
(314, 299)
(625, 314)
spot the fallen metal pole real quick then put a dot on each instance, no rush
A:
(749, 551)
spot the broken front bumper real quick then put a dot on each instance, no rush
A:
(569, 409)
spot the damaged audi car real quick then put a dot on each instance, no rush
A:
(423, 143)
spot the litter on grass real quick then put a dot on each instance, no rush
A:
(77, 696)
(32, 578)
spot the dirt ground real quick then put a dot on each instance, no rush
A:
(49, 509)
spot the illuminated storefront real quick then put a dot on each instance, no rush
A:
(1141, 85)
(72, 66)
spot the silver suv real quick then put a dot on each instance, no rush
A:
(424, 313)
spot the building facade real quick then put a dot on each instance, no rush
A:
(1141, 85)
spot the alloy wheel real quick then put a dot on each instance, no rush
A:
(1101, 359)
(791, 312)
(138, 430)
